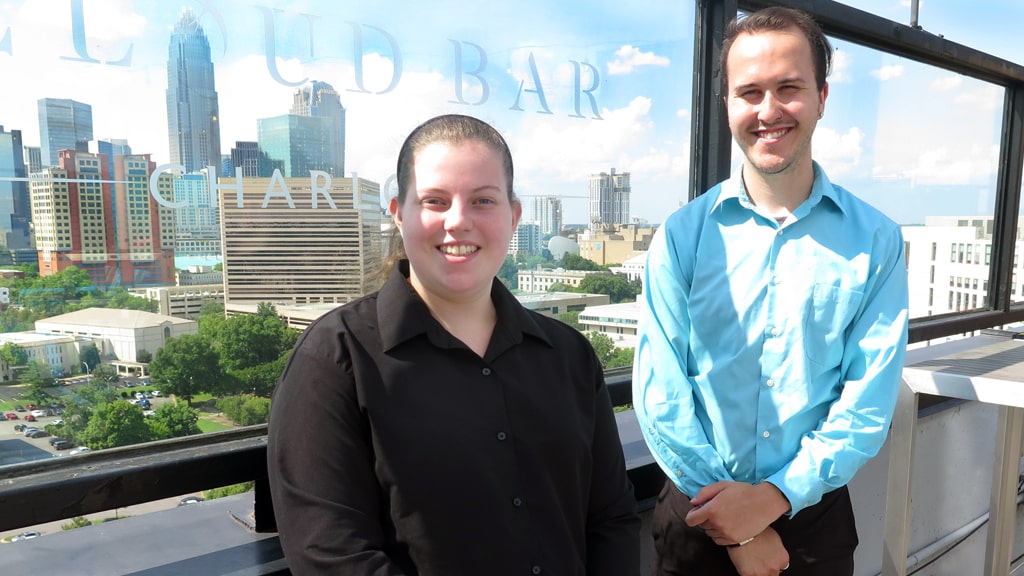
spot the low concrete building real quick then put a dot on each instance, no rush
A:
(553, 304)
(185, 301)
(541, 280)
(618, 321)
(200, 276)
(60, 353)
(119, 334)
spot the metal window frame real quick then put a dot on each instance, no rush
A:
(710, 153)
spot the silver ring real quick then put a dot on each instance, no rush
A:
(784, 568)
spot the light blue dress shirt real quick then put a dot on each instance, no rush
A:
(771, 352)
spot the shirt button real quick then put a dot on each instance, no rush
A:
(776, 280)
(679, 473)
(486, 371)
(774, 332)
(535, 570)
(766, 434)
(502, 436)
(779, 233)
(517, 502)
(770, 383)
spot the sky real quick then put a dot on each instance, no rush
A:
(577, 87)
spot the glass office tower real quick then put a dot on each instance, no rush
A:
(192, 112)
(64, 124)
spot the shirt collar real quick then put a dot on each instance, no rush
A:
(403, 315)
(734, 189)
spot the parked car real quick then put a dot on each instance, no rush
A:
(79, 450)
(157, 393)
(56, 439)
(20, 427)
(37, 433)
(63, 444)
(38, 413)
(139, 395)
(145, 404)
(30, 418)
(12, 416)
(190, 500)
(57, 422)
(26, 536)
(3, 417)
(19, 408)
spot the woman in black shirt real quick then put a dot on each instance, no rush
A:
(437, 427)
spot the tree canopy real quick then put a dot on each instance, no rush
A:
(618, 287)
(117, 423)
(186, 366)
(572, 261)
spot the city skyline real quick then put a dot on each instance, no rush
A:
(534, 78)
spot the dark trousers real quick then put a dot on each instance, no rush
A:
(820, 539)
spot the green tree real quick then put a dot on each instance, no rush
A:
(13, 354)
(603, 346)
(223, 491)
(561, 287)
(260, 379)
(90, 355)
(253, 339)
(174, 420)
(38, 376)
(509, 273)
(572, 261)
(121, 299)
(618, 287)
(211, 317)
(113, 424)
(621, 357)
(186, 366)
(76, 522)
(572, 319)
(245, 410)
(144, 356)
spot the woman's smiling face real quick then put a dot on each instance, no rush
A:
(457, 220)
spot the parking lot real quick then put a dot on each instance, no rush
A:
(16, 447)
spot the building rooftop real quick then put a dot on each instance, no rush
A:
(113, 318)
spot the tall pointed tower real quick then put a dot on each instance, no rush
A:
(193, 116)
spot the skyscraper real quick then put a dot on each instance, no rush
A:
(64, 124)
(197, 223)
(289, 241)
(320, 100)
(115, 232)
(111, 147)
(547, 211)
(15, 208)
(609, 199)
(193, 115)
(296, 144)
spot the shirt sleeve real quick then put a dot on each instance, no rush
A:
(663, 397)
(613, 526)
(326, 498)
(858, 421)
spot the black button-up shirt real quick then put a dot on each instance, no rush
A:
(395, 449)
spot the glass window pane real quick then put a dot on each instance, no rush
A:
(263, 138)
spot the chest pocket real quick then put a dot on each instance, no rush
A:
(829, 314)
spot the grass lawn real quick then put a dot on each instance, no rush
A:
(208, 424)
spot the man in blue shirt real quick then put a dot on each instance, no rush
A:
(769, 359)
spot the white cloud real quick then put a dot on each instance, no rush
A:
(945, 165)
(682, 113)
(628, 57)
(839, 154)
(987, 97)
(946, 84)
(840, 67)
(888, 72)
